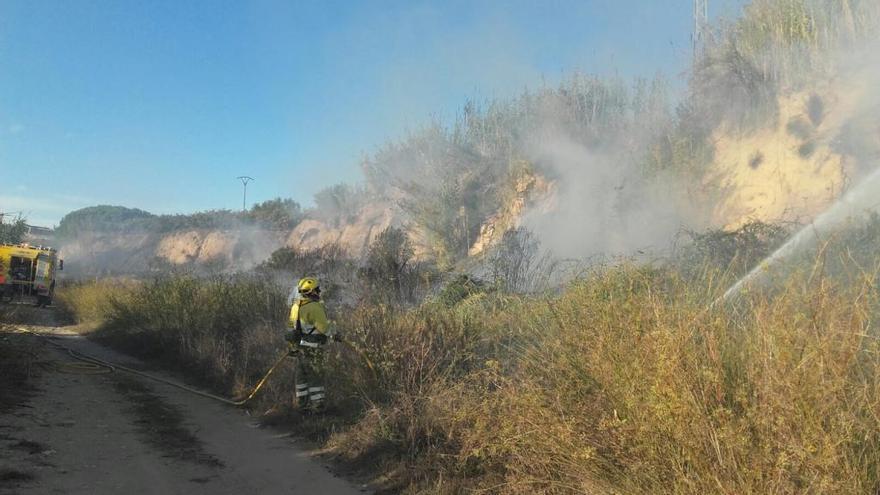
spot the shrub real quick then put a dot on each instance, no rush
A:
(12, 232)
(339, 204)
(102, 218)
(732, 252)
(314, 261)
(516, 264)
(638, 391)
(459, 289)
(330, 263)
(626, 384)
(390, 275)
(276, 214)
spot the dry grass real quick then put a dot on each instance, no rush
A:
(648, 394)
(223, 331)
(92, 301)
(624, 383)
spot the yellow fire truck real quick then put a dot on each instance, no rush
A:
(28, 272)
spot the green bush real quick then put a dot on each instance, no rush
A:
(390, 275)
(12, 232)
(733, 252)
(336, 270)
(459, 289)
(275, 214)
(321, 260)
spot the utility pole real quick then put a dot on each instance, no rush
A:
(244, 182)
(701, 27)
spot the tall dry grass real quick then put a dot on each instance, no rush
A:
(623, 383)
(223, 331)
(93, 301)
(642, 391)
(627, 384)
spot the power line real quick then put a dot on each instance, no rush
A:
(244, 182)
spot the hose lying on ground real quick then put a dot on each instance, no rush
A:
(110, 367)
(77, 368)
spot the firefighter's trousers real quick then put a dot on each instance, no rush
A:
(309, 379)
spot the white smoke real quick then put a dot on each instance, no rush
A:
(606, 205)
(603, 205)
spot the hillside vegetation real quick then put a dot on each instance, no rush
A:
(276, 214)
(623, 383)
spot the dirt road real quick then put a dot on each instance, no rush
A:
(115, 433)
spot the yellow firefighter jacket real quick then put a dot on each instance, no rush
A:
(312, 316)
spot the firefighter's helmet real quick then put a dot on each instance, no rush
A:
(308, 286)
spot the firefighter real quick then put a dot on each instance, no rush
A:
(309, 332)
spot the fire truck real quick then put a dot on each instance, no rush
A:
(28, 272)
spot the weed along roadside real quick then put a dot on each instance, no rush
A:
(606, 384)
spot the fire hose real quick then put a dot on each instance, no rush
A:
(94, 365)
(111, 367)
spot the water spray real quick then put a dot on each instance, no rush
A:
(862, 199)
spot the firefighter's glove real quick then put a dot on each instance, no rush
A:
(292, 349)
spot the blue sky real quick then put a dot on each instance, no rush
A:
(160, 105)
